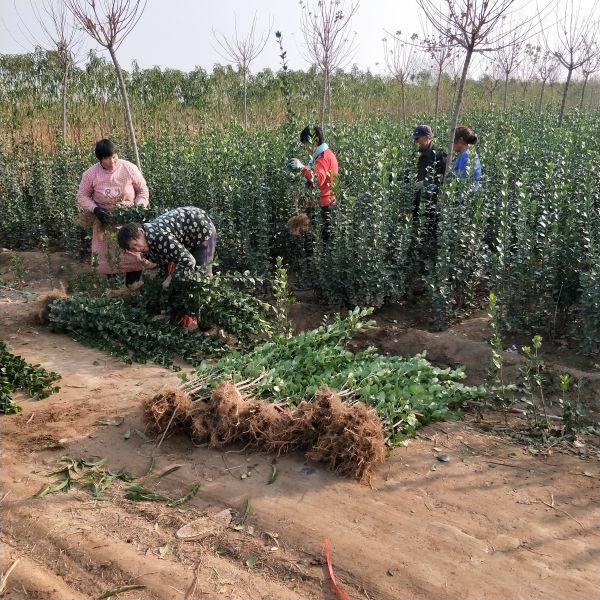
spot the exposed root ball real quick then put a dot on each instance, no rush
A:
(227, 419)
(273, 430)
(299, 223)
(168, 409)
(348, 438)
(353, 442)
(42, 312)
(85, 219)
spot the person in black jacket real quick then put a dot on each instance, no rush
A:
(431, 167)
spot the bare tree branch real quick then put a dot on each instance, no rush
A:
(476, 26)
(403, 62)
(576, 32)
(242, 51)
(109, 22)
(59, 37)
(325, 26)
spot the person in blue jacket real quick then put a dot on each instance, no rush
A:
(466, 166)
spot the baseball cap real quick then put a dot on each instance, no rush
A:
(420, 131)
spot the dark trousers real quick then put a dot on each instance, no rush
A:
(326, 220)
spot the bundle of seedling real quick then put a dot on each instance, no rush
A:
(348, 438)
(16, 373)
(142, 326)
(119, 216)
(281, 404)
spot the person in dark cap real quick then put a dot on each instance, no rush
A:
(431, 167)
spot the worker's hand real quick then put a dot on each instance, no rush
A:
(102, 215)
(419, 185)
(167, 282)
(295, 165)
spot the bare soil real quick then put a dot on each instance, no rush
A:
(494, 522)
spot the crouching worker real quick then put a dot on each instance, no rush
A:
(184, 237)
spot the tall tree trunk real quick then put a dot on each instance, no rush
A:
(541, 99)
(506, 77)
(329, 100)
(564, 98)
(458, 104)
(245, 85)
(63, 92)
(438, 85)
(585, 82)
(128, 117)
(402, 86)
(324, 97)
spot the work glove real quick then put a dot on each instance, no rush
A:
(102, 215)
(295, 165)
(419, 185)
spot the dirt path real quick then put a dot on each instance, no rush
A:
(492, 523)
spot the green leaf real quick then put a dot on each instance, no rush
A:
(169, 471)
(273, 475)
(188, 496)
(120, 590)
(251, 561)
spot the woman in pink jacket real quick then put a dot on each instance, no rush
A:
(110, 182)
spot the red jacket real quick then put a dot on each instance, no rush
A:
(326, 167)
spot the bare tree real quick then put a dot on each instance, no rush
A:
(325, 26)
(475, 26)
(576, 30)
(527, 69)
(490, 79)
(402, 61)
(109, 22)
(59, 38)
(509, 57)
(591, 66)
(242, 51)
(546, 68)
(440, 51)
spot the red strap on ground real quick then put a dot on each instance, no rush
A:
(341, 594)
(171, 268)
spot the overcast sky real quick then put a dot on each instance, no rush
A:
(177, 33)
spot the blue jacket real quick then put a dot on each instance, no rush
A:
(461, 166)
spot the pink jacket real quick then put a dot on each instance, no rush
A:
(125, 185)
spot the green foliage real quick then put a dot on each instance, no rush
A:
(16, 266)
(530, 233)
(282, 299)
(17, 373)
(217, 302)
(405, 392)
(142, 327)
(128, 333)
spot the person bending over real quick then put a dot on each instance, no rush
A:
(179, 240)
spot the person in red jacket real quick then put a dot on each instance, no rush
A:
(322, 167)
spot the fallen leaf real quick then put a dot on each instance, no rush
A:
(250, 562)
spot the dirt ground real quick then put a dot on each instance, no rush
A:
(494, 522)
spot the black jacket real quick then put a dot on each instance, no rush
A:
(431, 166)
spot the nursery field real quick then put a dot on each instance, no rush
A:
(472, 466)
(92, 499)
(529, 233)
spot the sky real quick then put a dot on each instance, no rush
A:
(178, 33)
